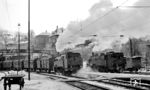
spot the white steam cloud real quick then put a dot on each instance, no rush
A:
(127, 21)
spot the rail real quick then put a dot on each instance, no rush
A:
(90, 84)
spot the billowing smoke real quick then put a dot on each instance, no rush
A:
(105, 24)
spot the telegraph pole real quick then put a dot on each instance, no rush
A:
(131, 49)
(28, 39)
(19, 65)
(147, 57)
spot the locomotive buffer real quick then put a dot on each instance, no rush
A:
(13, 79)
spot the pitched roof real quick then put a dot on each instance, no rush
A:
(44, 33)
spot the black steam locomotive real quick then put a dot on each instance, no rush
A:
(108, 62)
(114, 62)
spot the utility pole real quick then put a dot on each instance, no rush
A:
(147, 57)
(19, 65)
(29, 39)
(146, 60)
(131, 48)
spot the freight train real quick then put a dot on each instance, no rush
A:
(65, 63)
(71, 62)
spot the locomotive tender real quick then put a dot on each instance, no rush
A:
(68, 63)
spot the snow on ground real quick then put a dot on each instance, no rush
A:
(100, 75)
(1, 75)
(91, 74)
(40, 82)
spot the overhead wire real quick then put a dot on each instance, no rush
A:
(121, 5)
(112, 10)
(140, 6)
(136, 6)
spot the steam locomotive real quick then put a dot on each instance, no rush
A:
(68, 63)
(114, 62)
(110, 61)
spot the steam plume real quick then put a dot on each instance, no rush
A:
(127, 21)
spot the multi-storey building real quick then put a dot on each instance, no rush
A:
(42, 44)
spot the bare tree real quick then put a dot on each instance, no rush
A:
(5, 36)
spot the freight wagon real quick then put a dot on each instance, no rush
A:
(44, 64)
(7, 65)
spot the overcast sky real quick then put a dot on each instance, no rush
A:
(106, 19)
(80, 18)
(45, 14)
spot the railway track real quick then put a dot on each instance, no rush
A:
(128, 85)
(103, 84)
(142, 84)
(85, 86)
